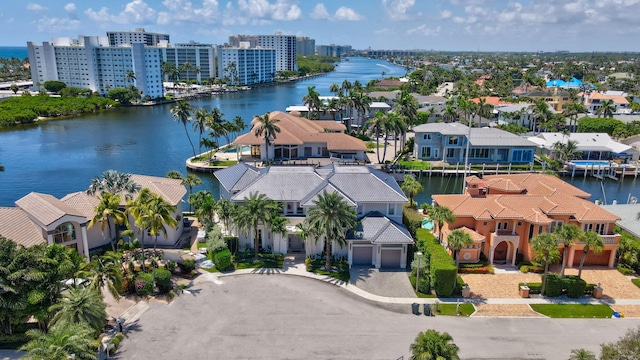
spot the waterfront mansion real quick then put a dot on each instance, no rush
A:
(503, 212)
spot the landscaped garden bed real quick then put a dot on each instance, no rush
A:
(339, 269)
(572, 286)
(573, 310)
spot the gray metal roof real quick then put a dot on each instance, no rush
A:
(320, 189)
(379, 229)
(497, 137)
(363, 184)
(283, 183)
(442, 128)
(628, 214)
(232, 176)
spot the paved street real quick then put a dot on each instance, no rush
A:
(290, 317)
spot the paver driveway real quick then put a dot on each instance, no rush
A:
(383, 282)
(288, 317)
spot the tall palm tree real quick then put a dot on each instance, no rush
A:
(458, 240)
(335, 89)
(190, 181)
(114, 182)
(330, 217)
(607, 109)
(592, 241)
(181, 111)
(137, 208)
(257, 209)
(572, 111)
(80, 305)
(376, 127)
(439, 215)
(225, 210)
(106, 211)
(218, 125)
(312, 101)
(186, 67)
(582, 354)
(433, 345)
(360, 102)
(60, 343)
(267, 129)
(106, 270)
(174, 174)
(541, 113)
(158, 215)
(410, 186)
(200, 120)
(407, 106)
(545, 247)
(449, 114)
(130, 76)
(567, 234)
(204, 206)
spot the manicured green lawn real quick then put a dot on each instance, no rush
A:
(450, 309)
(636, 282)
(415, 165)
(340, 269)
(264, 261)
(573, 310)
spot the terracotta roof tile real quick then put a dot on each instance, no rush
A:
(22, 230)
(45, 208)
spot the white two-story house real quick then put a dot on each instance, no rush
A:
(380, 239)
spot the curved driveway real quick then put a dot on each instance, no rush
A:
(290, 317)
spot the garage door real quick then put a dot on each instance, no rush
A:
(390, 258)
(361, 255)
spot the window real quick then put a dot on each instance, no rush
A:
(453, 140)
(64, 233)
(391, 209)
(425, 152)
(484, 223)
(479, 153)
(426, 137)
(451, 153)
(503, 225)
(555, 224)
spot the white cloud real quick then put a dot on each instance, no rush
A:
(397, 10)
(263, 9)
(35, 7)
(135, 12)
(70, 7)
(54, 24)
(347, 14)
(424, 30)
(185, 11)
(446, 14)
(320, 12)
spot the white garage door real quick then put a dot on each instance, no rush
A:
(361, 255)
(390, 258)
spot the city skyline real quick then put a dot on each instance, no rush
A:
(447, 25)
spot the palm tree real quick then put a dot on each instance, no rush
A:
(157, 216)
(204, 206)
(218, 125)
(449, 114)
(360, 102)
(411, 186)
(268, 129)
(257, 209)
(200, 121)
(607, 109)
(592, 241)
(377, 126)
(335, 89)
(433, 345)
(181, 111)
(107, 210)
(567, 234)
(582, 354)
(225, 210)
(540, 113)
(278, 225)
(106, 270)
(186, 67)
(330, 217)
(137, 209)
(130, 76)
(61, 343)
(545, 247)
(190, 181)
(458, 240)
(80, 306)
(312, 100)
(440, 215)
(114, 182)
(572, 111)
(169, 70)
(174, 174)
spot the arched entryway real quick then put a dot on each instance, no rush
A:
(500, 253)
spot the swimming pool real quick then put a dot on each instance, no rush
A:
(591, 163)
(427, 224)
(232, 149)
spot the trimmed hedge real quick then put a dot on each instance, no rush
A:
(222, 259)
(163, 280)
(443, 269)
(534, 288)
(573, 286)
(411, 219)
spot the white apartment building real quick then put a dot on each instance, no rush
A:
(285, 47)
(139, 35)
(200, 56)
(246, 66)
(90, 62)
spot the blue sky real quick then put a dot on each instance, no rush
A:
(469, 25)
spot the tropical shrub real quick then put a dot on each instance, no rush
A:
(555, 285)
(171, 266)
(54, 85)
(222, 259)
(129, 282)
(163, 280)
(215, 241)
(442, 268)
(411, 219)
(232, 243)
(188, 265)
(575, 287)
(534, 288)
(624, 270)
(144, 284)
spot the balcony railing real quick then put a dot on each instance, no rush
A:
(503, 236)
(608, 239)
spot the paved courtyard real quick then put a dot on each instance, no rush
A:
(290, 317)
